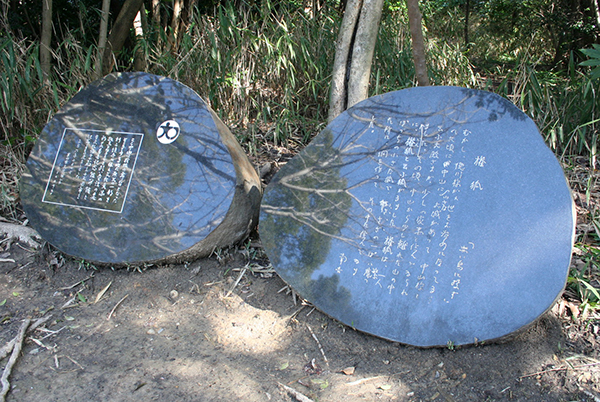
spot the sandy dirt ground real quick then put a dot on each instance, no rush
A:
(195, 333)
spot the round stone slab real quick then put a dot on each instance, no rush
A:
(428, 216)
(133, 168)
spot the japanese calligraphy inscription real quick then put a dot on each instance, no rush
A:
(93, 169)
(424, 216)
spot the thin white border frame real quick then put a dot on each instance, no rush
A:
(107, 132)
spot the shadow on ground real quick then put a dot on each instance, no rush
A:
(174, 334)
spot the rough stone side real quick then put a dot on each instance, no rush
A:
(244, 211)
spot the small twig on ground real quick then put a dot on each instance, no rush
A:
(16, 351)
(77, 283)
(69, 303)
(543, 372)
(51, 333)
(364, 380)
(318, 344)
(400, 373)
(239, 278)
(39, 322)
(40, 343)
(74, 362)
(6, 349)
(102, 292)
(588, 393)
(213, 283)
(295, 313)
(299, 397)
(582, 366)
(194, 287)
(115, 307)
(26, 265)
(6, 260)
(289, 290)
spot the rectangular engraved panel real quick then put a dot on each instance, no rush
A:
(417, 179)
(93, 169)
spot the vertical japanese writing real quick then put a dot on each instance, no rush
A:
(406, 233)
(93, 169)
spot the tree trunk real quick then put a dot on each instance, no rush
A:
(337, 94)
(175, 21)
(188, 14)
(185, 19)
(596, 8)
(467, 12)
(418, 44)
(102, 36)
(139, 61)
(144, 19)
(119, 33)
(156, 13)
(156, 22)
(354, 55)
(46, 38)
(363, 50)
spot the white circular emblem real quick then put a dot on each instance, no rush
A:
(167, 132)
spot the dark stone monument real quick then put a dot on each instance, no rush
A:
(137, 168)
(428, 216)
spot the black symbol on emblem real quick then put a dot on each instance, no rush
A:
(168, 132)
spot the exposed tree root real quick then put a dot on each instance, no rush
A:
(23, 234)
(15, 345)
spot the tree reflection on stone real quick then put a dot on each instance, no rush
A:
(178, 193)
(312, 204)
(413, 207)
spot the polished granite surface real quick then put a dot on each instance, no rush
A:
(427, 216)
(131, 169)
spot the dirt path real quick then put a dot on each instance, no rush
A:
(177, 335)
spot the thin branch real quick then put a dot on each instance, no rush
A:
(239, 278)
(583, 366)
(16, 350)
(300, 397)
(318, 344)
(77, 283)
(115, 307)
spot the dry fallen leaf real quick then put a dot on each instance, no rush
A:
(102, 292)
(349, 370)
(320, 382)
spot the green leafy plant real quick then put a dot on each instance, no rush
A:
(81, 297)
(86, 265)
(593, 55)
(585, 281)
